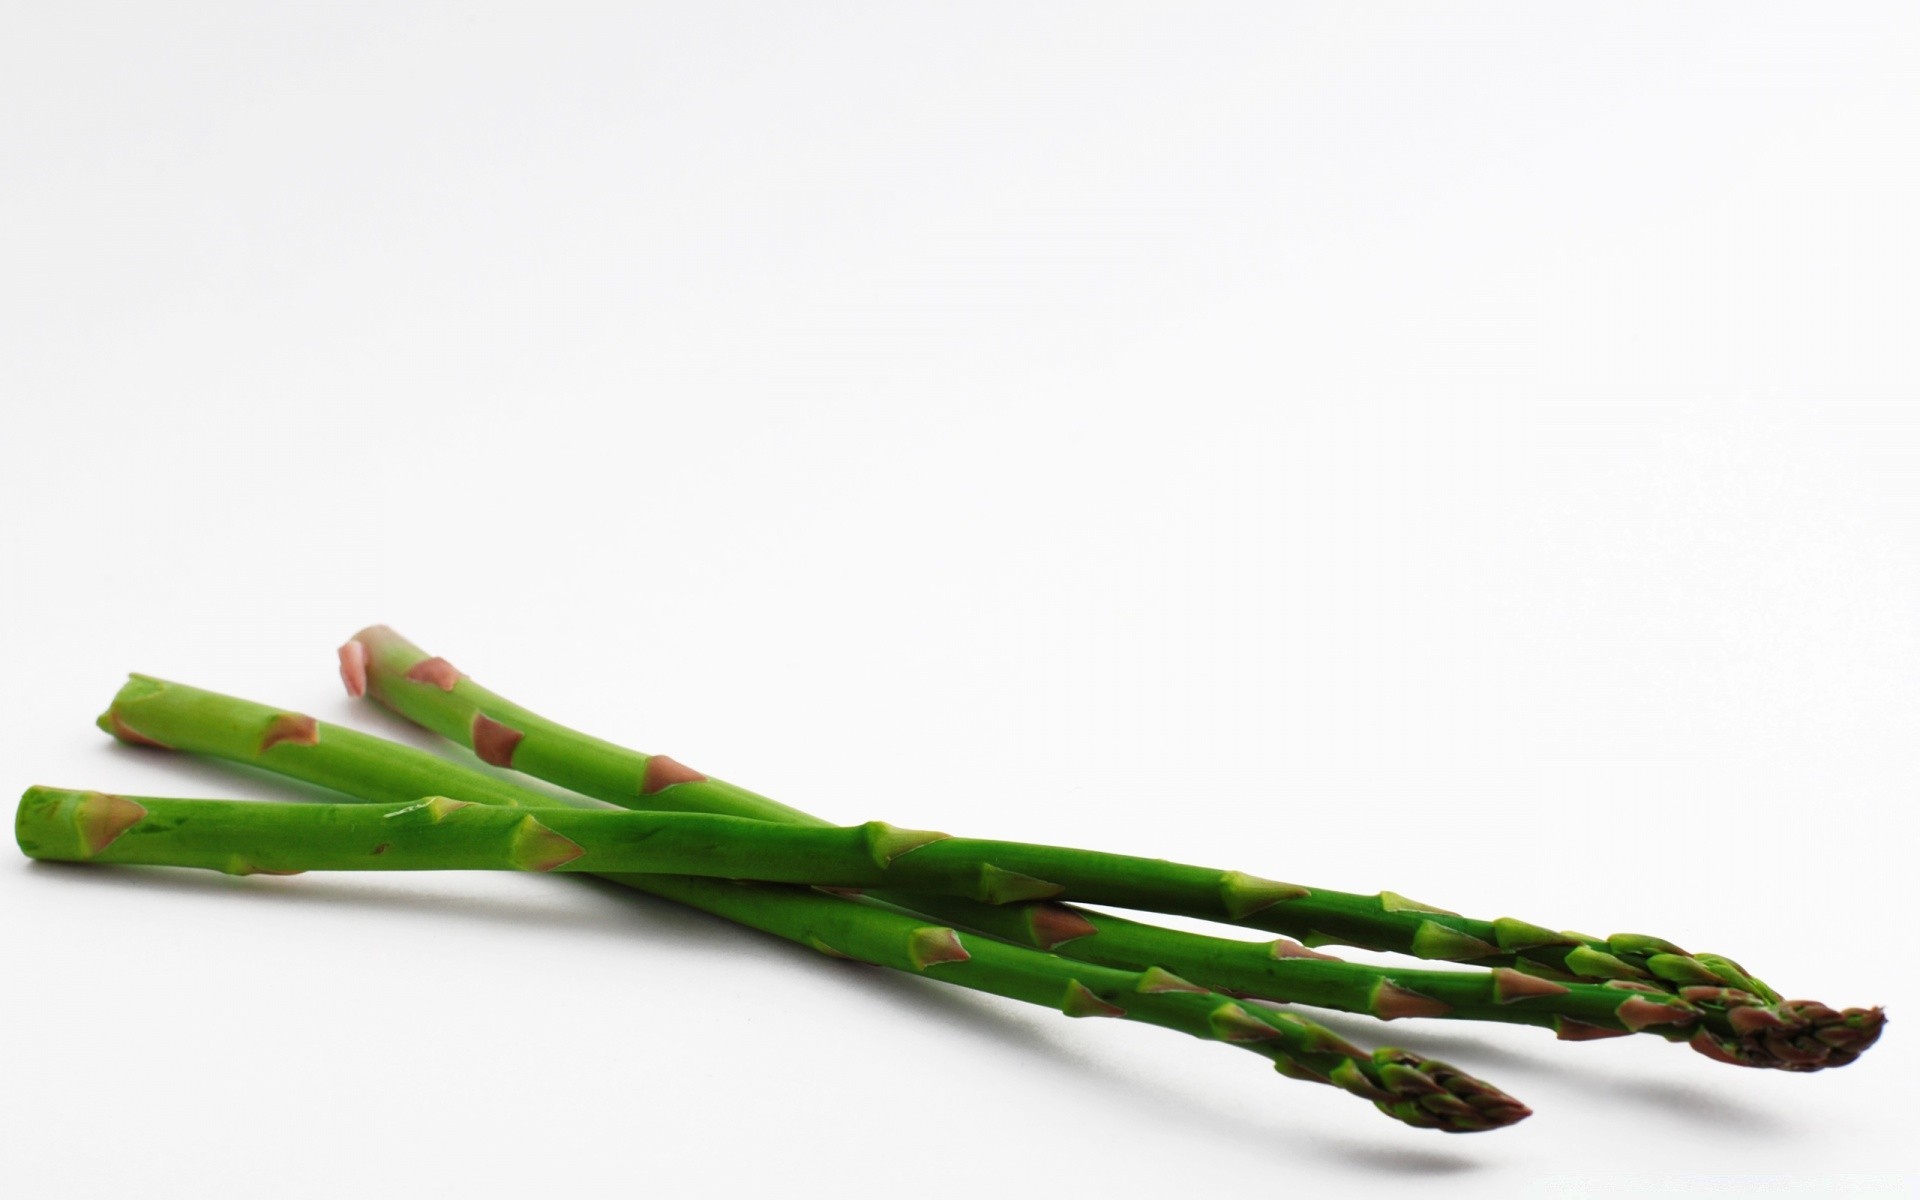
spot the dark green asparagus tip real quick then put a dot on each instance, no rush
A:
(1433, 1095)
(1793, 1035)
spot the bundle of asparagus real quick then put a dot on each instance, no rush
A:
(997, 916)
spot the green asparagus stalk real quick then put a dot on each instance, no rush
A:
(1411, 1089)
(1541, 977)
(438, 833)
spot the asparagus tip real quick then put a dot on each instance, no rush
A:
(1794, 1035)
(1435, 1095)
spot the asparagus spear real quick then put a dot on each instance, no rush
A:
(1405, 1086)
(438, 833)
(1646, 983)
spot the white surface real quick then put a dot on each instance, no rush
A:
(1462, 449)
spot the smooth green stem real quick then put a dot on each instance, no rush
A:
(1582, 988)
(153, 712)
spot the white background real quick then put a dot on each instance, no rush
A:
(1463, 449)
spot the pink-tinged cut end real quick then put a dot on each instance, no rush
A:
(494, 742)
(353, 668)
(663, 772)
(436, 671)
(1569, 1030)
(1055, 924)
(130, 735)
(1390, 1003)
(1510, 985)
(294, 728)
(931, 945)
(101, 818)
